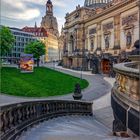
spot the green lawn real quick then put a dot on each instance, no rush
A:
(43, 82)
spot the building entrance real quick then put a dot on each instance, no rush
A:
(105, 66)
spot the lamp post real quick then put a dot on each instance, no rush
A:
(81, 73)
(53, 64)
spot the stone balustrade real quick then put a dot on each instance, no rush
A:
(125, 98)
(16, 118)
(127, 79)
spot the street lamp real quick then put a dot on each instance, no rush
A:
(53, 64)
(81, 72)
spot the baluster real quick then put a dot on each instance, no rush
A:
(31, 110)
(34, 110)
(44, 108)
(127, 84)
(27, 112)
(15, 117)
(47, 108)
(117, 80)
(53, 110)
(19, 115)
(11, 118)
(120, 83)
(23, 112)
(54, 107)
(5, 120)
(123, 89)
(134, 90)
(1, 122)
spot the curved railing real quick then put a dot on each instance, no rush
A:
(16, 118)
(127, 80)
(125, 99)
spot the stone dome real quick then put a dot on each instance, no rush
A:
(96, 3)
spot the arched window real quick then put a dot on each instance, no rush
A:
(128, 39)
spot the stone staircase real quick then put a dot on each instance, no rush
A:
(69, 128)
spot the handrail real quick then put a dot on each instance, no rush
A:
(16, 118)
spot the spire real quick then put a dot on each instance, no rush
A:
(35, 25)
(49, 7)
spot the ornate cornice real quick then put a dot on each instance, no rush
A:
(111, 8)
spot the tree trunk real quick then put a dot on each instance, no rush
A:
(38, 62)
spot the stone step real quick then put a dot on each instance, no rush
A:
(69, 128)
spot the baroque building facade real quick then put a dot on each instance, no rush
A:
(97, 34)
(47, 33)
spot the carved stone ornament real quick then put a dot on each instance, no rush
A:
(92, 31)
(130, 19)
(108, 26)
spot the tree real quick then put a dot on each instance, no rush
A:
(6, 40)
(37, 48)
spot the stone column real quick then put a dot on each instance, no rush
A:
(98, 35)
(117, 31)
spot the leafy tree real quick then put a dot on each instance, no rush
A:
(6, 40)
(37, 48)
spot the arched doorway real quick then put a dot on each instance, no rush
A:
(105, 66)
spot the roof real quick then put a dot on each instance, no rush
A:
(37, 31)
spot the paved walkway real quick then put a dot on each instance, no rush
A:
(70, 128)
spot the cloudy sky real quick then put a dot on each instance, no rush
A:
(20, 13)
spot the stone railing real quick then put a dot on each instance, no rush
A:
(125, 98)
(127, 79)
(16, 118)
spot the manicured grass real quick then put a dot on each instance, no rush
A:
(43, 82)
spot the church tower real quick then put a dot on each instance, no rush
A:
(49, 22)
